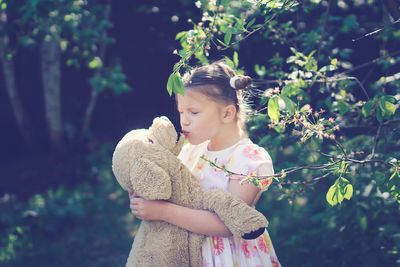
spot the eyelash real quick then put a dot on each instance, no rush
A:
(193, 113)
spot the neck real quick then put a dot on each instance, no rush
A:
(229, 135)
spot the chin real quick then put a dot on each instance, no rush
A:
(195, 142)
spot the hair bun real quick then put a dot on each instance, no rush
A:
(242, 82)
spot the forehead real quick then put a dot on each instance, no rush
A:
(193, 98)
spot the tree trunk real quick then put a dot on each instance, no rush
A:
(94, 92)
(51, 78)
(11, 88)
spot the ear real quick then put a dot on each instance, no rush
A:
(149, 180)
(228, 113)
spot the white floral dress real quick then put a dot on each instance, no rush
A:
(244, 157)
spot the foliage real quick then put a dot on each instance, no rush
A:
(84, 225)
(329, 120)
(326, 109)
(79, 29)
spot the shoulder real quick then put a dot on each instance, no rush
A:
(249, 158)
(251, 152)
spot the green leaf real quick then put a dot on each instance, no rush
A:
(176, 67)
(334, 62)
(95, 63)
(256, 182)
(251, 22)
(291, 59)
(229, 62)
(291, 89)
(170, 83)
(389, 98)
(289, 104)
(219, 41)
(178, 84)
(394, 185)
(180, 35)
(228, 36)
(260, 70)
(366, 109)
(388, 108)
(236, 59)
(273, 109)
(331, 196)
(343, 106)
(362, 219)
(341, 189)
(346, 189)
(379, 114)
(311, 65)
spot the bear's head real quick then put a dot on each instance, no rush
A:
(130, 158)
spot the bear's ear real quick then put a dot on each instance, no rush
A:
(149, 180)
(163, 132)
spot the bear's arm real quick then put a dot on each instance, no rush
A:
(149, 180)
(242, 220)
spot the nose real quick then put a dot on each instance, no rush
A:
(184, 119)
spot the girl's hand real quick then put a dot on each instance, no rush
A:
(150, 210)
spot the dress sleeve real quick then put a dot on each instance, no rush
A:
(253, 160)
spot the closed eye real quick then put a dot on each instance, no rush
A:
(150, 141)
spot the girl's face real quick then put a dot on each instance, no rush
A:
(200, 116)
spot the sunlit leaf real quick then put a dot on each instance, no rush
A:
(341, 189)
(236, 59)
(178, 85)
(228, 36)
(273, 109)
(170, 84)
(366, 109)
(95, 63)
(387, 107)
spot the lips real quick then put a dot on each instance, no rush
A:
(185, 133)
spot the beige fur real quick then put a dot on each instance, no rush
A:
(145, 161)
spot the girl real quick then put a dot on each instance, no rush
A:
(211, 112)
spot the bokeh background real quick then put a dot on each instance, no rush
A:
(59, 202)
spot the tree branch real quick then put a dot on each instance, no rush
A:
(323, 29)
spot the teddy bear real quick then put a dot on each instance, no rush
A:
(145, 161)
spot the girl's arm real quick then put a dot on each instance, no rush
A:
(196, 221)
(245, 191)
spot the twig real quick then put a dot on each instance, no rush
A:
(262, 26)
(351, 78)
(390, 121)
(376, 31)
(378, 132)
(282, 173)
(341, 148)
(366, 64)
